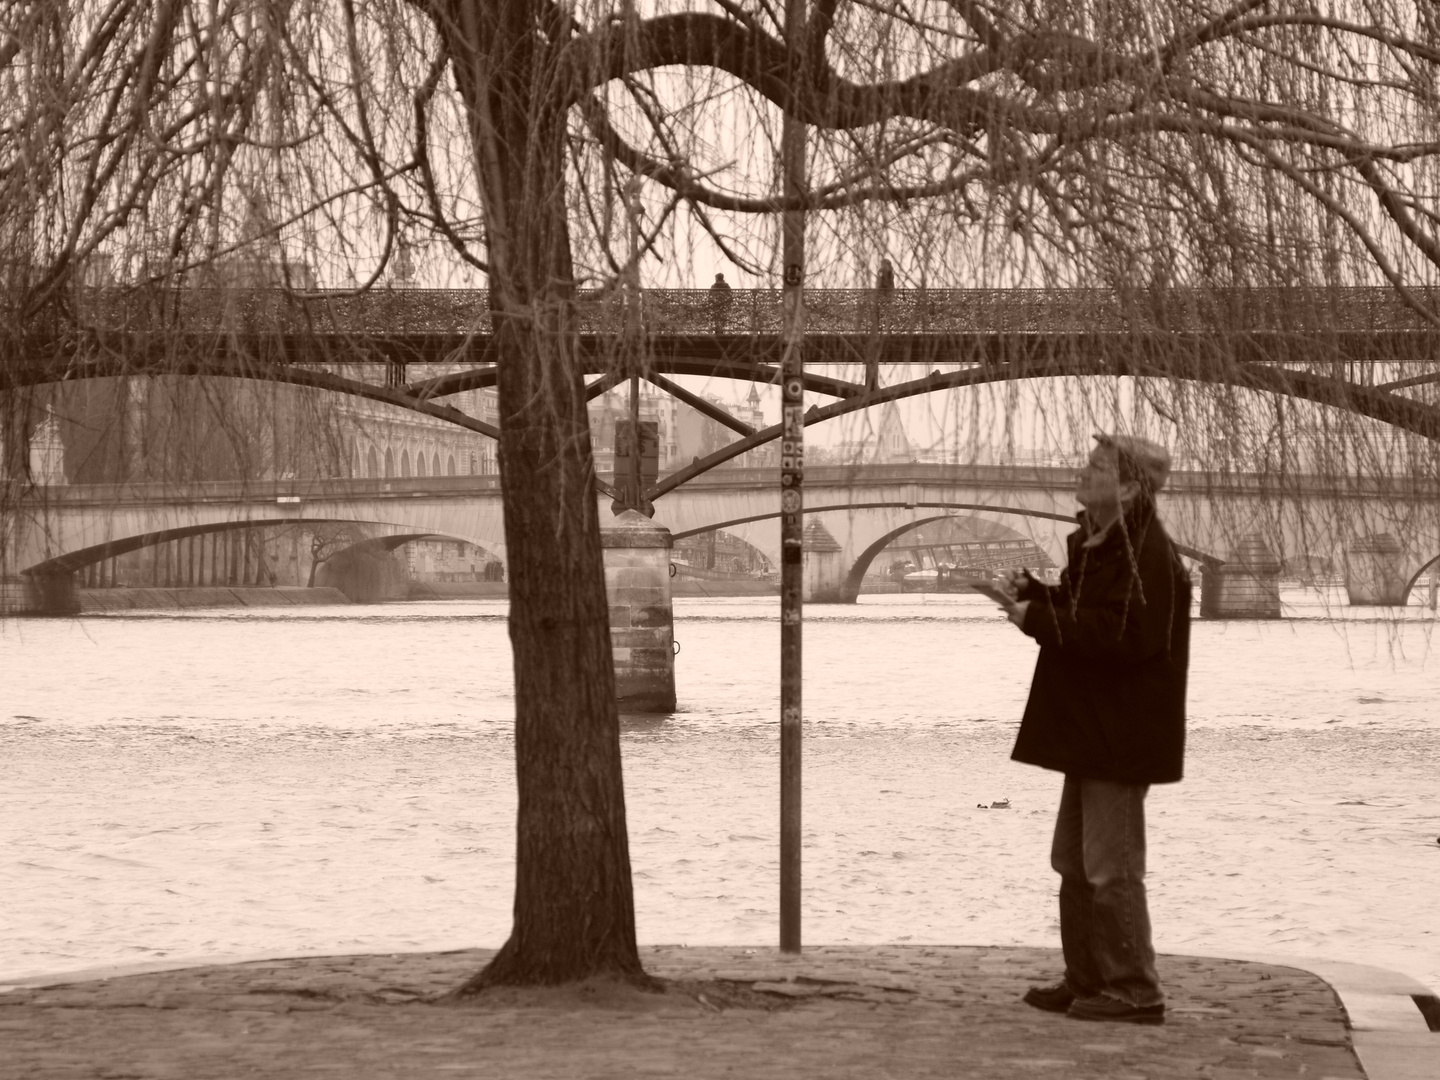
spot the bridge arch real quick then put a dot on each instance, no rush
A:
(1018, 511)
(856, 575)
(866, 556)
(1372, 402)
(81, 557)
(392, 541)
(365, 580)
(1415, 577)
(1168, 357)
(726, 546)
(94, 553)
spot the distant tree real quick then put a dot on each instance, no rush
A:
(327, 541)
(1133, 145)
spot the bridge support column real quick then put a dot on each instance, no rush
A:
(40, 595)
(824, 577)
(642, 614)
(1246, 587)
(1374, 572)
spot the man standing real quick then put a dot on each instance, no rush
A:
(1107, 709)
(720, 297)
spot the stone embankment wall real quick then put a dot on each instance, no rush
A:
(214, 596)
(457, 590)
(684, 585)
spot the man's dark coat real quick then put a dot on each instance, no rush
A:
(1108, 698)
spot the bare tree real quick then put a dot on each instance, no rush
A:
(1178, 155)
(328, 541)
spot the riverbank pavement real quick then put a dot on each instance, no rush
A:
(833, 1012)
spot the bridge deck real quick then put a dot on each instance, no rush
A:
(897, 477)
(391, 313)
(1351, 348)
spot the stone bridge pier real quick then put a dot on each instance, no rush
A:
(1375, 572)
(642, 612)
(825, 570)
(1245, 586)
(54, 593)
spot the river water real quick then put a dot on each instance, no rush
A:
(340, 780)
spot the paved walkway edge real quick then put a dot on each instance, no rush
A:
(1389, 1033)
(180, 963)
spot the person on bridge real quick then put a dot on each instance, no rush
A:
(721, 296)
(885, 279)
(1107, 709)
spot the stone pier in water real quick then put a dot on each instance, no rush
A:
(823, 578)
(1246, 586)
(642, 613)
(1375, 572)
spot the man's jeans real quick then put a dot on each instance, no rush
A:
(1099, 853)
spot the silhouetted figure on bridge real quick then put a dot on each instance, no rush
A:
(885, 279)
(720, 300)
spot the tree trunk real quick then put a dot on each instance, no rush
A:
(574, 914)
(574, 908)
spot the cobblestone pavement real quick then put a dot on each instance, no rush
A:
(832, 1013)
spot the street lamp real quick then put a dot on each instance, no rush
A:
(633, 211)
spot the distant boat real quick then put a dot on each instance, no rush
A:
(954, 579)
(920, 581)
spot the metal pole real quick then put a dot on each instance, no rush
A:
(634, 480)
(631, 351)
(792, 474)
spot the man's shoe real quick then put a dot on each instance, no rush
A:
(1055, 998)
(1104, 1007)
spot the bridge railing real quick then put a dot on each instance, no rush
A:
(1051, 477)
(391, 313)
(288, 491)
(895, 478)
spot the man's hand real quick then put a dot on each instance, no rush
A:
(1015, 612)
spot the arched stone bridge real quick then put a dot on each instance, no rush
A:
(863, 508)
(1370, 351)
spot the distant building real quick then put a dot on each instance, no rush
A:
(47, 453)
(892, 441)
(685, 433)
(449, 561)
(386, 441)
(888, 443)
(185, 428)
(43, 455)
(720, 551)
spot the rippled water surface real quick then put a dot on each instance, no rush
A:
(341, 779)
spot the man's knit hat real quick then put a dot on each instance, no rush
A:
(1141, 460)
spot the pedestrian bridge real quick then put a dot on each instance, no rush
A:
(63, 529)
(1363, 349)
